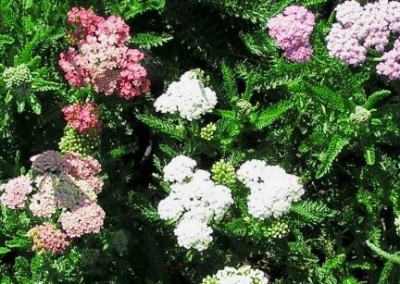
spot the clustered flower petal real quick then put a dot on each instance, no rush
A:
(188, 97)
(194, 202)
(242, 275)
(82, 117)
(68, 184)
(84, 220)
(272, 190)
(292, 31)
(15, 192)
(101, 59)
(390, 66)
(46, 237)
(359, 28)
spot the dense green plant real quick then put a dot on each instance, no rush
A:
(336, 127)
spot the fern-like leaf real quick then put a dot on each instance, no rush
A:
(271, 114)
(336, 146)
(162, 125)
(313, 212)
(375, 97)
(391, 257)
(326, 96)
(150, 40)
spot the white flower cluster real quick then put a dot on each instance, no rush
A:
(272, 190)
(189, 97)
(194, 202)
(242, 275)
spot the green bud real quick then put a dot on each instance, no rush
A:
(200, 75)
(278, 230)
(360, 115)
(244, 106)
(223, 173)
(84, 144)
(207, 132)
(18, 79)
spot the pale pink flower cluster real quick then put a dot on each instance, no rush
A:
(292, 31)
(101, 58)
(83, 117)
(15, 192)
(390, 66)
(84, 220)
(46, 237)
(359, 28)
(65, 185)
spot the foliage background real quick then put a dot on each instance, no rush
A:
(294, 115)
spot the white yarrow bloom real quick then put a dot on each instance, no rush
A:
(194, 198)
(188, 97)
(242, 275)
(192, 233)
(272, 190)
(179, 169)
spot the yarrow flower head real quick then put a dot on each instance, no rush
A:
(223, 173)
(272, 190)
(46, 237)
(292, 31)
(82, 117)
(207, 132)
(194, 201)
(84, 220)
(242, 275)
(360, 115)
(359, 28)
(278, 230)
(101, 59)
(48, 161)
(15, 192)
(188, 97)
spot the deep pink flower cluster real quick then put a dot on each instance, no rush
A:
(101, 59)
(46, 237)
(292, 30)
(361, 27)
(15, 192)
(84, 220)
(390, 66)
(83, 117)
(69, 184)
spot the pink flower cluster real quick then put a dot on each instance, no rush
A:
(390, 66)
(68, 184)
(82, 117)
(101, 58)
(84, 220)
(361, 27)
(15, 192)
(292, 30)
(46, 237)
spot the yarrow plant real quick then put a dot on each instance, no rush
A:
(194, 202)
(188, 97)
(101, 58)
(272, 190)
(241, 275)
(360, 28)
(64, 188)
(292, 31)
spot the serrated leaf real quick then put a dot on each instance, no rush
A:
(270, 115)
(229, 114)
(20, 105)
(35, 104)
(5, 39)
(18, 243)
(326, 95)
(149, 40)
(336, 145)
(375, 97)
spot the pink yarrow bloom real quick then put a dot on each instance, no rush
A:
(84, 220)
(101, 59)
(292, 31)
(82, 117)
(46, 237)
(15, 192)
